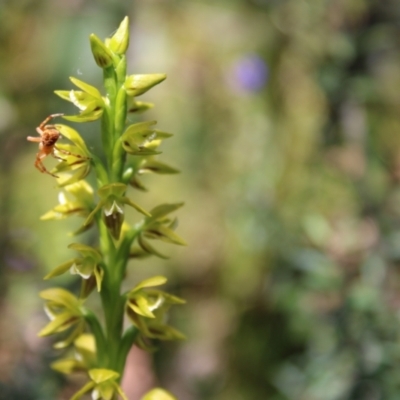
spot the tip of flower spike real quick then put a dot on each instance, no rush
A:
(120, 40)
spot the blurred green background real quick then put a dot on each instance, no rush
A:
(286, 116)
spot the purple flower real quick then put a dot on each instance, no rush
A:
(249, 73)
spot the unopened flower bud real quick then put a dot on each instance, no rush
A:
(101, 53)
(120, 40)
(136, 85)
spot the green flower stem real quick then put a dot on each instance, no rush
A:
(101, 173)
(114, 118)
(119, 157)
(113, 306)
(118, 154)
(98, 333)
(127, 341)
(121, 71)
(113, 303)
(110, 84)
(107, 245)
(123, 251)
(107, 139)
(121, 110)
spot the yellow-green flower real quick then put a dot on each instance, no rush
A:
(103, 385)
(64, 312)
(112, 201)
(82, 358)
(159, 227)
(141, 139)
(81, 204)
(76, 157)
(147, 309)
(88, 266)
(89, 101)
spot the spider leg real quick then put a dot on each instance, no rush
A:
(68, 153)
(58, 158)
(34, 139)
(40, 166)
(49, 118)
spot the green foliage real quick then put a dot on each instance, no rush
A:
(101, 350)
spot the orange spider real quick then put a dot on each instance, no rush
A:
(47, 143)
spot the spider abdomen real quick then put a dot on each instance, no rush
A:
(50, 138)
